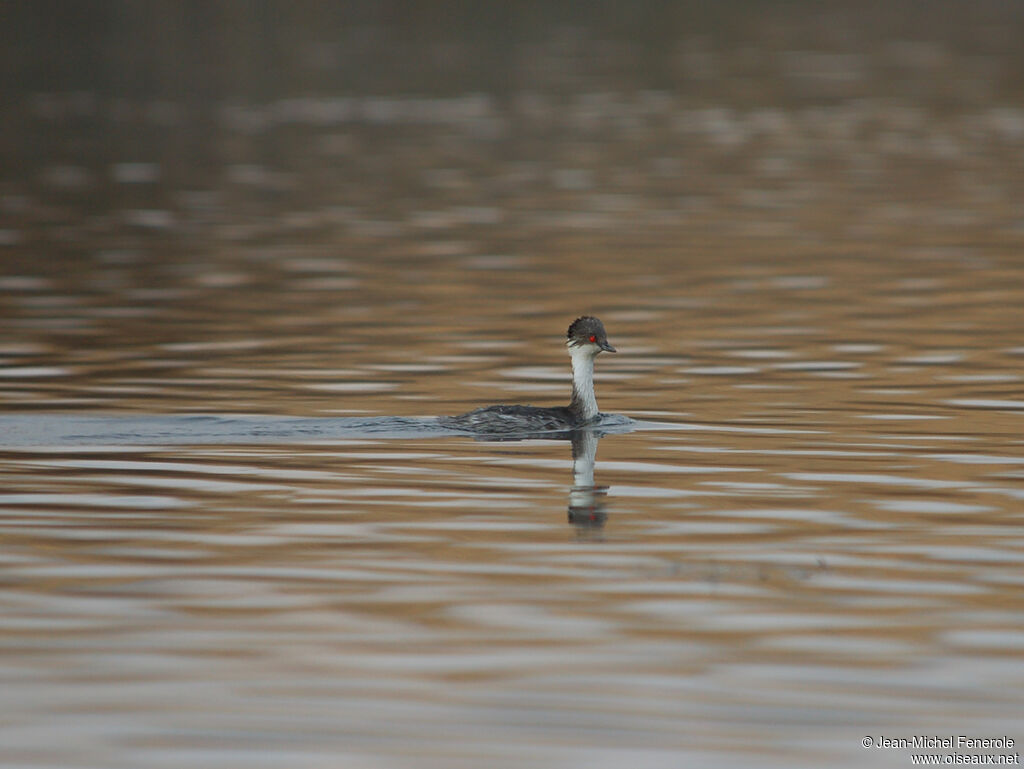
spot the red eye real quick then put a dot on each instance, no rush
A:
(593, 338)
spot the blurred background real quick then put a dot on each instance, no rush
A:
(175, 173)
(802, 225)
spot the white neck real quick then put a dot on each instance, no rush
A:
(583, 401)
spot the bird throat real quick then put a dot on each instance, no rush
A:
(583, 403)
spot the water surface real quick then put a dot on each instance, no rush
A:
(231, 536)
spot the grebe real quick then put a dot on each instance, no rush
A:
(586, 339)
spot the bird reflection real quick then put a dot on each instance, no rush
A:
(586, 500)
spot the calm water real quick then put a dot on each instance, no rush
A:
(230, 538)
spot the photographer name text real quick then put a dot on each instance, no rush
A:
(952, 742)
